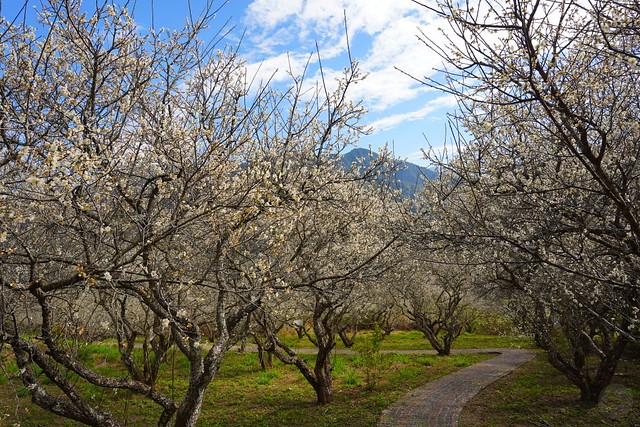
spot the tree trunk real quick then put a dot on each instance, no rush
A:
(591, 388)
(446, 349)
(442, 350)
(324, 392)
(189, 411)
(589, 393)
(202, 372)
(322, 370)
(265, 362)
(605, 373)
(346, 340)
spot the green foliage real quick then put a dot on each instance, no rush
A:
(407, 372)
(492, 322)
(338, 363)
(98, 351)
(414, 340)
(369, 351)
(462, 363)
(8, 371)
(266, 377)
(427, 361)
(400, 357)
(351, 377)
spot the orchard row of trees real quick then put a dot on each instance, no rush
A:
(151, 194)
(543, 188)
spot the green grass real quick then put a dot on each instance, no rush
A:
(266, 377)
(538, 395)
(244, 395)
(290, 400)
(467, 340)
(413, 340)
(351, 377)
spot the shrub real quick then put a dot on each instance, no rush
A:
(369, 351)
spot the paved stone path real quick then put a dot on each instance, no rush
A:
(440, 402)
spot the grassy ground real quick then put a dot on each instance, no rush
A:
(244, 395)
(280, 397)
(538, 395)
(415, 340)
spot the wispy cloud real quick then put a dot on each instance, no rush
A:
(271, 13)
(279, 68)
(382, 34)
(392, 121)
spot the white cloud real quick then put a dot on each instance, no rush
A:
(389, 122)
(383, 38)
(393, 44)
(397, 48)
(386, 88)
(416, 157)
(323, 20)
(278, 68)
(270, 13)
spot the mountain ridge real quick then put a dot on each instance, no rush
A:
(409, 177)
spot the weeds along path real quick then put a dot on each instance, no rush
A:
(305, 350)
(439, 403)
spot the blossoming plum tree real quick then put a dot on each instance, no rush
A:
(149, 194)
(339, 250)
(544, 184)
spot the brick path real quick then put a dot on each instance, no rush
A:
(439, 403)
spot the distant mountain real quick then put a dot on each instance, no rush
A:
(409, 177)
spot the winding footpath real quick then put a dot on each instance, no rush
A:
(440, 402)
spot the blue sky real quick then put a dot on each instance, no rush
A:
(279, 34)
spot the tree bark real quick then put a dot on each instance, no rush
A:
(324, 392)
(189, 411)
(431, 336)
